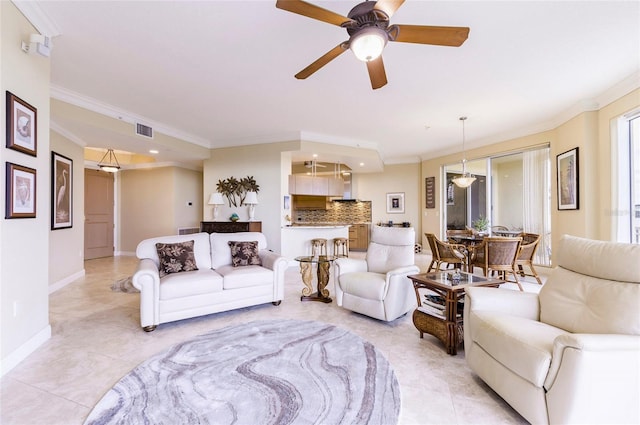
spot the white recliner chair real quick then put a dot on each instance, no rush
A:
(570, 354)
(378, 285)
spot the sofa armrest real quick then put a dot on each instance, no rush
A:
(349, 265)
(271, 260)
(402, 271)
(278, 264)
(594, 378)
(147, 280)
(589, 343)
(505, 301)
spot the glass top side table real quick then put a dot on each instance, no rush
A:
(323, 270)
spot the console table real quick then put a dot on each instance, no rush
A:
(230, 226)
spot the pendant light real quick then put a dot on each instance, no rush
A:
(110, 164)
(465, 179)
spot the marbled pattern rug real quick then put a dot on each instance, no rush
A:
(262, 372)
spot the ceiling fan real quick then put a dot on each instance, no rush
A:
(369, 31)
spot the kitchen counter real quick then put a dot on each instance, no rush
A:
(296, 239)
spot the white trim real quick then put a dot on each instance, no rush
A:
(82, 101)
(124, 254)
(53, 125)
(22, 352)
(64, 282)
(40, 20)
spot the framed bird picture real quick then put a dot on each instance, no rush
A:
(61, 192)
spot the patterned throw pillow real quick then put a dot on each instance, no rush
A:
(176, 257)
(244, 253)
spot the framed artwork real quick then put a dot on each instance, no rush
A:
(567, 173)
(287, 202)
(61, 191)
(20, 192)
(395, 203)
(430, 192)
(21, 125)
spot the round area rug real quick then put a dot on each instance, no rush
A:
(263, 372)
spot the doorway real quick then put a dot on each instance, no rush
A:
(98, 214)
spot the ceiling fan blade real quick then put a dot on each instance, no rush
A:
(322, 61)
(376, 73)
(312, 11)
(388, 6)
(441, 36)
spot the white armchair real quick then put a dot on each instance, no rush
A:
(572, 353)
(378, 285)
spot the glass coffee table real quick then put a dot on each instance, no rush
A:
(439, 313)
(324, 266)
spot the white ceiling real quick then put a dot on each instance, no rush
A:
(220, 73)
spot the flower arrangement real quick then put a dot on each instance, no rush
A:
(234, 217)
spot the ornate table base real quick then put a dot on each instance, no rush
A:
(306, 266)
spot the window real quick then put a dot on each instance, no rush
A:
(515, 194)
(626, 170)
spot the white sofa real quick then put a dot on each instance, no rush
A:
(378, 286)
(570, 354)
(216, 286)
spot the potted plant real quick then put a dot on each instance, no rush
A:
(481, 224)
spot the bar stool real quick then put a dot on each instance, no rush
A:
(340, 247)
(318, 247)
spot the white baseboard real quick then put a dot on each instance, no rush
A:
(124, 254)
(22, 352)
(64, 282)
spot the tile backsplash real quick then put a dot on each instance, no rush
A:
(338, 212)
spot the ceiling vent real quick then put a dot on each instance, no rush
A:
(144, 130)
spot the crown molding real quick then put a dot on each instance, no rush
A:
(40, 20)
(85, 102)
(53, 125)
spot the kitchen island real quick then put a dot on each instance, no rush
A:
(296, 239)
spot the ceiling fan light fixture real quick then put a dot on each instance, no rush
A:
(368, 43)
(109, 162)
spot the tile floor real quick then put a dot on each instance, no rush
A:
(97, 339)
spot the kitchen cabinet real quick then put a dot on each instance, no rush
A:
(300, 184)
(358, 237)
(306, 202)
(230, 226)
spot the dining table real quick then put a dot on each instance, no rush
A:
(469, 243)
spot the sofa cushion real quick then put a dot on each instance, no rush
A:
(187, 284)
(390, 248)
(220, 251)
(244, 253)
(243, 277)
(590, 305)
(584, 294)
(521, 345)
(201, 248)
(176, 257)
(364, 285)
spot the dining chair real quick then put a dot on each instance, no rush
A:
(528, 250)
(444, 252)
(497, 254)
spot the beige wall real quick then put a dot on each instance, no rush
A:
(153, 202)
(66, 246)
(403, 178)
(266, 164)
(590, 131)
(24, 246)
